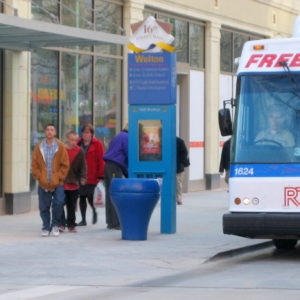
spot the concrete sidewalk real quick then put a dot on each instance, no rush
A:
(96, 256)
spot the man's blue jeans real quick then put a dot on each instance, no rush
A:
(55, 198)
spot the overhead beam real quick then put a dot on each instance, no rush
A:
(28, 33)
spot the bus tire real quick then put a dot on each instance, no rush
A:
(282, 244)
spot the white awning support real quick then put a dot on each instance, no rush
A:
(26, 34)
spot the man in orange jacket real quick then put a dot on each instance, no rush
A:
(50, 166)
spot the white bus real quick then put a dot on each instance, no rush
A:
(264, 183)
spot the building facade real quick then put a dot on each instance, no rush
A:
(71, 84)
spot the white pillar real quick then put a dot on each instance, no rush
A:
(212, 74)
(16, 131)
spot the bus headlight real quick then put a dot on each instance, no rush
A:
(246, 201)
(255, 201)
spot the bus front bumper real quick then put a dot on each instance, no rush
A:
(262, 225)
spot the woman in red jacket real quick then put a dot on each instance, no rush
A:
(94, 151)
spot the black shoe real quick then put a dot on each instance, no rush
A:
(95, 217)
(82, 223)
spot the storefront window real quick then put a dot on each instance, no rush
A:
(108, 75)
(44, 92)
(108, 19)
(86, 95)
(196, 34)
(76, 91)
(69, 98)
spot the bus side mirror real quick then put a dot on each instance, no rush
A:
(225, 122)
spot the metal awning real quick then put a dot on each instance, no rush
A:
(26, 34)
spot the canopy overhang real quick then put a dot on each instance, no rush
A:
(26, 34)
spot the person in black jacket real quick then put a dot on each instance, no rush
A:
(225, 160)
(182, 162)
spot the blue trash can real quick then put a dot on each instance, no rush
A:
(134, 200)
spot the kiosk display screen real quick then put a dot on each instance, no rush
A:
(150, 140)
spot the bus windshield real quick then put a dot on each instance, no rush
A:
(267, 119)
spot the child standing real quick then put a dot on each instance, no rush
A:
(75, 177)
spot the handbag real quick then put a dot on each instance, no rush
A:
(99, 195)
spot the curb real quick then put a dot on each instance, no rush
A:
(239, 251)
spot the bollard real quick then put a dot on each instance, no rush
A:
(134, 200)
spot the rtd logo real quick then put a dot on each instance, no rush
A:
(273, 60)
(291, 195)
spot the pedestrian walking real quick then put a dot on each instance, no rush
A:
(75, 177)
(225, 160)
(50, 166)
(116, 165)
(94, 151)
(182, 162)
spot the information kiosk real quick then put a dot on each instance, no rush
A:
(152, 126)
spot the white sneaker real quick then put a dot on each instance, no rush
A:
(55, 231)
(45, 233)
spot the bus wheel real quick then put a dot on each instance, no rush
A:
(285, 244)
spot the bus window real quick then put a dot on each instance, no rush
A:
(267, 120)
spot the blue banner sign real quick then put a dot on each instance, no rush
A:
(152, 78)
(265, 170)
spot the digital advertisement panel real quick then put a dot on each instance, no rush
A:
(150, 143)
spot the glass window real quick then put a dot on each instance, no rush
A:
(108, 76)
(147, 14)
(109, 19)
(231, 47)
(268, 119)
(1, 114)
(238, 42)
(196, 34)
(180, 32)
(226, 51)
(78, 13)
(46, 10)
(76, 91)
(44, 95)
(166, 19)
(44, 92)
